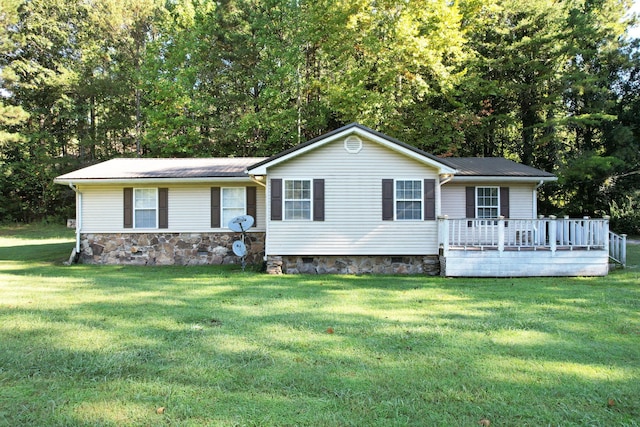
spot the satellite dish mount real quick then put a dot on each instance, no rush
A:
(241, 224)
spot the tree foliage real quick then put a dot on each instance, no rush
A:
(553, 84)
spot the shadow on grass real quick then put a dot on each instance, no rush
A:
(46, 252)
(237, 351)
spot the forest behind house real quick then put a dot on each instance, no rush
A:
(549, 83)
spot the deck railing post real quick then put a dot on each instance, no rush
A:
(623, 250)
(540, 233)
(443, 233)
(585, 232)
(553, 230)
(605, 233)
(500, 234)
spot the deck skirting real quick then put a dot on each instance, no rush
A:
(540, 263)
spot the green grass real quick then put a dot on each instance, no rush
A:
(108, 345)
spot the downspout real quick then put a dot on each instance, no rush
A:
(78, 217)
(258, 181)
(445, 177)
(535, 199)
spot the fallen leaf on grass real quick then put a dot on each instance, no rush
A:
(611, 403)
(484, 422)
(160, 410)
(329, 330)
(215, 322)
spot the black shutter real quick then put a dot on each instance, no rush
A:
(163, 208)
(215, 207)
(387, 200)
(429, 199)
(318, 199)
(471, 202)
(128, 208)
(251, 204)
(504, 201)
(276, 200)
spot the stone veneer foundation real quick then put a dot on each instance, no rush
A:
(429, 265)
(168, 248)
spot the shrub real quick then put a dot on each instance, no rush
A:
(625, 217)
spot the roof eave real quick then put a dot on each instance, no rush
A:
(502, 178)
(137, 181)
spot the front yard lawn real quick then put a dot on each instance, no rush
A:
(191, 346)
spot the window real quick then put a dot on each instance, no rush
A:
(233, 204)
(409, 200)
(145, 207)
(487, 202)
(297, 199)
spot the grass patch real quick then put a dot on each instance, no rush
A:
(109, 345)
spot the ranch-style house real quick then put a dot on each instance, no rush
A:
(351, 201)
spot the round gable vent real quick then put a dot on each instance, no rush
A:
(353, 144)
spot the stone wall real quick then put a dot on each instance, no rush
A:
(429, 265)
(168, 248)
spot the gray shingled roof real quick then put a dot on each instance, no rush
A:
(131, 168)
(137, 168)
(494, 166)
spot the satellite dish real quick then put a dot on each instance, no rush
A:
(241, 223)
(239, 248)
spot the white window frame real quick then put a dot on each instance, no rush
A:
(285, 199)
(225, 221)
(479, 206)
(136, 209)
(396, 199)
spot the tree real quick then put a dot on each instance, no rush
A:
(592, 96)
(389, 64)
(516, 89)
(552, 84)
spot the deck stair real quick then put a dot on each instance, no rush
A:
(618, 248)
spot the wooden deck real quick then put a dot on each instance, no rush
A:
(526, 247)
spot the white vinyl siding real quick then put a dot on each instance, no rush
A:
(189, 208)
(353, 222)
(102, 209)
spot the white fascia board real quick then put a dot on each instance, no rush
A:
(135, 181)
(531, 179)
(442, 169)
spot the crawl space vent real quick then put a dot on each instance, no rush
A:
(353, 144)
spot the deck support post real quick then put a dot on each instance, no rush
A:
(605, 233)
(553, 233)
(585, 232)
(500, 234)
(443, 234)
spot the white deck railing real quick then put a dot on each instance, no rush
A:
(618, 248)
(524, 234)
